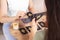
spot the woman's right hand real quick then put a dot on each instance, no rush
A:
(21, 13)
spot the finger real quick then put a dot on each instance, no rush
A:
(21, 23)
(33, 21)
(34, 25)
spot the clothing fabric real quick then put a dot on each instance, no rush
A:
(17, 5)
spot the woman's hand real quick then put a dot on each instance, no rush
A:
(21, 13)
(27, 33)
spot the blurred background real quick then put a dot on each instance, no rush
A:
(40, 7)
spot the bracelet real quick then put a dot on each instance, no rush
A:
(41, 25)
(25, 30)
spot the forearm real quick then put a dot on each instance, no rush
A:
(5, 19)
(33, 10)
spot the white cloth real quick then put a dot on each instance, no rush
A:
(17, 5)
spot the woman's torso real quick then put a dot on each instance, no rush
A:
(17, 5)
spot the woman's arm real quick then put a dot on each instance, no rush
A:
(31, 7)
(3, 13)
(5, 19)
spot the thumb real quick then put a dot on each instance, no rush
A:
(33, 21)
